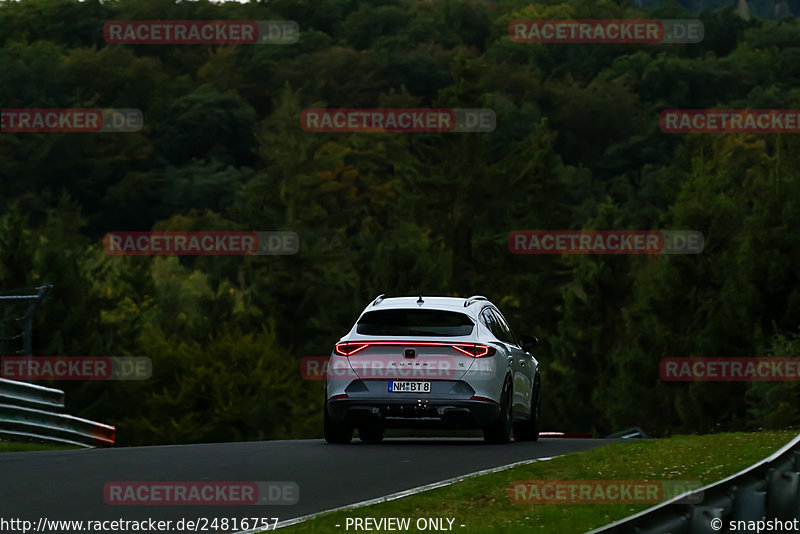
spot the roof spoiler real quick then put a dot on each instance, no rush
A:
(473, 299)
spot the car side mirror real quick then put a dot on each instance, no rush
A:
(528, 342)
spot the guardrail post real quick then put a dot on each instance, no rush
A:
(782, 494)
(676, 525)
(702, 517)
(749, 505)
(27, 318)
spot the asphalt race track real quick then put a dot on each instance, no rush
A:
(69, 485)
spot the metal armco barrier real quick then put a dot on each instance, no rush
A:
(31, 395)
(767, 490)
(629, 433)
(30, 412)
(26, 334)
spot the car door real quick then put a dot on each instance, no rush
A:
(489, 319)
(522, 367)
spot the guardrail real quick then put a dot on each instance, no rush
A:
(26, 334)
(31, 412)
(768, 490)
(24, 394)
(629, 433)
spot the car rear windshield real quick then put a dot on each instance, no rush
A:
(414, 323)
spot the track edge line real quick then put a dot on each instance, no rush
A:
(400, 494)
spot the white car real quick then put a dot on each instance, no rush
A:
(442, 362)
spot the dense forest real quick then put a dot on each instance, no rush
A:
(577, 145)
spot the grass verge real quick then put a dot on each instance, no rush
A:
(483, 504)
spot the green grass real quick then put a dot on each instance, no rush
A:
(482, 503)
(9, 446)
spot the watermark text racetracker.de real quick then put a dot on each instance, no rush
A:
(396, 120)
(197, 524)
(603, 491)
(730, 369)
(201, 493)
(606, 31)
(679, 121)
(432, 367)
(229, 243)
(76, 367)
(605, 242)
(70, 120)
(198, 32)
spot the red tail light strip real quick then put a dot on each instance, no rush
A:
(483, 399)
(475, 350)
(348, 349)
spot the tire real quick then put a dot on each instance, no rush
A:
(370, 434)
(529, 430)
(336, 432)
(500, 430)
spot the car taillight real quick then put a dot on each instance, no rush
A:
(348, 349)
(475, 350)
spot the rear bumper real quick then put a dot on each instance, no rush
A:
(406, 413)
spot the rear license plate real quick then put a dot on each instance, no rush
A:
(407, 386)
